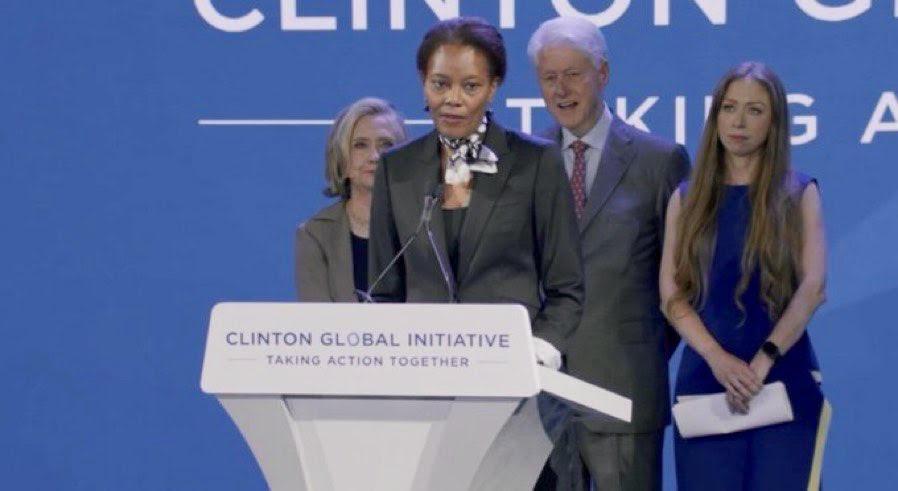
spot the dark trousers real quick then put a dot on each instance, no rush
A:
(611, 461)
(622, 461)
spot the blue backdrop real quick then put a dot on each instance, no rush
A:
(140, 183)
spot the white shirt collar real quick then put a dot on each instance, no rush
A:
(595, 137)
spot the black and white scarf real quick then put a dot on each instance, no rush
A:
(469, 154)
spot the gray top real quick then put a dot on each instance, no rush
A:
(324, 257)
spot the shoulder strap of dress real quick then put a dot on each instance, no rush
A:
(799, 182)
(683, 188)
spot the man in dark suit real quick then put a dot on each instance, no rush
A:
(621, 179)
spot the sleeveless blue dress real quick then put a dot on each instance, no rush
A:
(784, 456)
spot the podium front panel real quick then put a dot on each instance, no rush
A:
(404, 350)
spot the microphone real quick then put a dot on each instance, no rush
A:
(448, 277)
(430, 201)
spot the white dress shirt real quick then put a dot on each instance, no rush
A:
(595, 138)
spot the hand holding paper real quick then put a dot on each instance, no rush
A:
(734, 375)
(708, 414)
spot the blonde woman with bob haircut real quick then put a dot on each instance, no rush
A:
(332, 246)
(741, 275)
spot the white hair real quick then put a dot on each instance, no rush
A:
(573, 31)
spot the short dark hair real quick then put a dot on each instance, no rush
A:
(466, 31)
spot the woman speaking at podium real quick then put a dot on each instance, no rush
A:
(332, 246)
(488, 211)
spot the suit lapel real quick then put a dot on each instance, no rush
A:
(484, 193)
(341, 271)
(616, 157)
(424, 177)
(553, 134)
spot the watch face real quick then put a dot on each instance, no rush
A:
(771, 350)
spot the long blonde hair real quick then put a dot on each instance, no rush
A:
(773, 239)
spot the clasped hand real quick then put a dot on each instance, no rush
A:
(741, 380)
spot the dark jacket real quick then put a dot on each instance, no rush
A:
(518, 243)
(624, 342)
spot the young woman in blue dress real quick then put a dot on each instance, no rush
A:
(742, 273)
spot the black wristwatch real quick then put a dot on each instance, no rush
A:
(771, 350)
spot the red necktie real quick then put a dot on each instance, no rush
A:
(578, 176)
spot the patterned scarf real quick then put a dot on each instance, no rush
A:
(469, 155)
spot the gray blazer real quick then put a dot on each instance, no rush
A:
(518, 243)
(623, 342)
(324, 257)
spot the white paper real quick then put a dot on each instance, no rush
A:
(702, 415)
(590, 401)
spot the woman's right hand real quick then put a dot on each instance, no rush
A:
(739, 380)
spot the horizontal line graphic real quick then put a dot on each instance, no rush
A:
(288, 122)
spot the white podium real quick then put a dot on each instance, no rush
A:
(388, 396)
